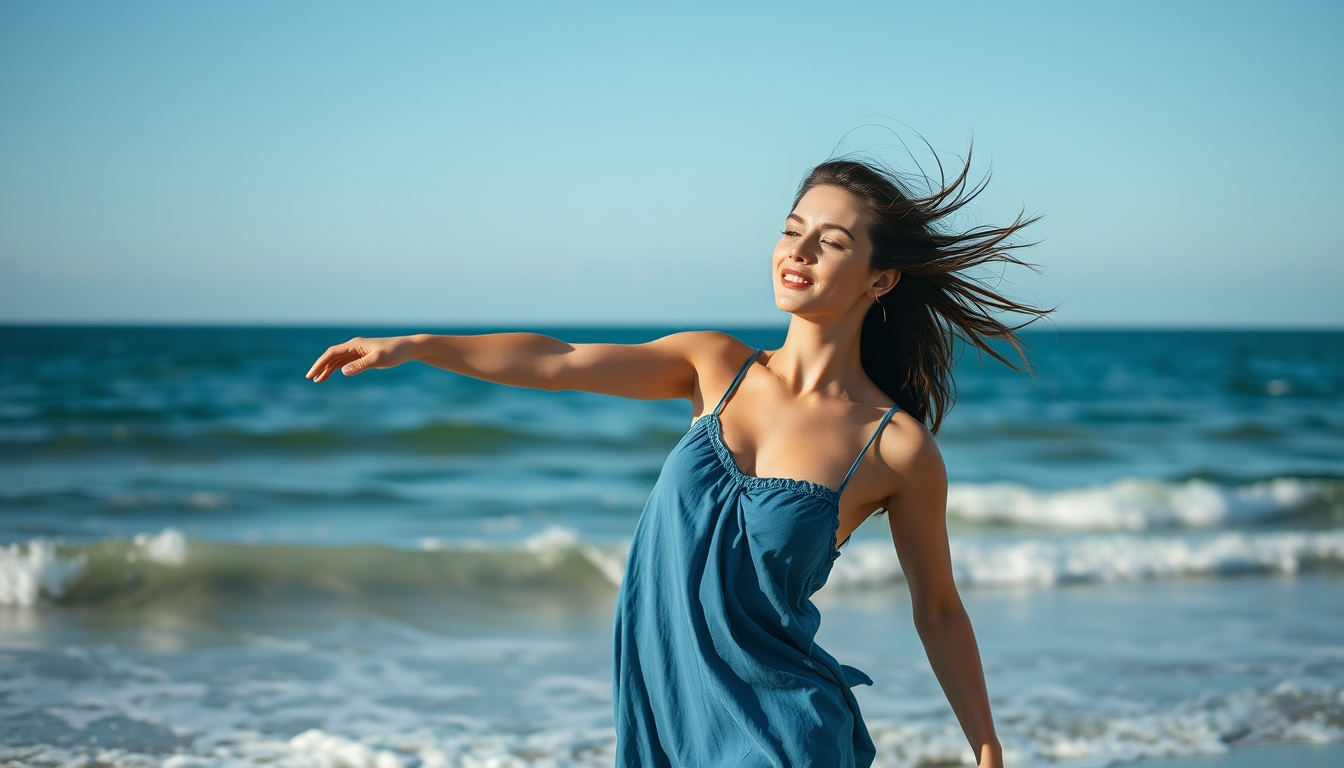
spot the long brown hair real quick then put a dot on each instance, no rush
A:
(909, 341)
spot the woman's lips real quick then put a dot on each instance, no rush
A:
(794, 279)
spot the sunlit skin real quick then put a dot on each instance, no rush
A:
(803, 411)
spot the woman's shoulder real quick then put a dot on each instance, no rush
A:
(709, 351)
(909, 451)
(715, 357)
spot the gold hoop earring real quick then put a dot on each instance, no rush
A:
(878, 299)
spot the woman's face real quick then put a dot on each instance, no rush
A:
(823, 262)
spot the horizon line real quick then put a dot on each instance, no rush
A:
(640, 325)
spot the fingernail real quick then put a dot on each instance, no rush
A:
(348, 369)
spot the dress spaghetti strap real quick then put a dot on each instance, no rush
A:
(880, 425)
(755, 353)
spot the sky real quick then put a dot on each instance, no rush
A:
(591, 163)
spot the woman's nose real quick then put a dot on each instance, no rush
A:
(801, 252)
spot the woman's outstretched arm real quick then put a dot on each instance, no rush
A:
(661, 369)
(918, 519)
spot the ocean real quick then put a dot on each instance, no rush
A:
(207, 560)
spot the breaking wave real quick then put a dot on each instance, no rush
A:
(164, 567)
(33, 572)
(1136, 505)
(1043, 562)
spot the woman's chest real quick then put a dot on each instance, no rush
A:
(781, 521)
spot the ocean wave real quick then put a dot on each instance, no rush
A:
(550, 548)
(168, 547)
(33, 572)
(1135, 504)
(1035, 733)
(1044, 562)
(165, 568)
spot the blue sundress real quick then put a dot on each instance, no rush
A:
(715, 663)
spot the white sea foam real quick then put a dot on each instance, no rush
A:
(1046, 734)
(32, 572)
(168, 547)
(1034, 734)
(1037, 561)
(550, 544)
(318, 749)
(1129, 504)
(558, 748)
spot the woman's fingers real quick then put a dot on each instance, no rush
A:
(333, 363)
(334, 358)
(357, 355)
(360, 364)
(323, 372)
(324, 359)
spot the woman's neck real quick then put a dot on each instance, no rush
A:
(821, 357)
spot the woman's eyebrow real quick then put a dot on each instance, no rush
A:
(823, 224)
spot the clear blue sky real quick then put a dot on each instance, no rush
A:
(571, 162)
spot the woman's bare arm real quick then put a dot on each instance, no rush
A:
(918, 520)
(661, 369)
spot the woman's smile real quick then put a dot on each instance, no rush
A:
(794, 280)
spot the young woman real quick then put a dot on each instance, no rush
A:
(789, 451)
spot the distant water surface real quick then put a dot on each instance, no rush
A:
(207, 559)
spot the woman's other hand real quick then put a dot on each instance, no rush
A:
(360, 354)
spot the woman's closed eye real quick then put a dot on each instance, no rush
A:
(824, 241)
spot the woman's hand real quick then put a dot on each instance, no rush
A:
(360, 354)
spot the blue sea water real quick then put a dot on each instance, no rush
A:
(207, 559)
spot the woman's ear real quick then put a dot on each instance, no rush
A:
(886, 280)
